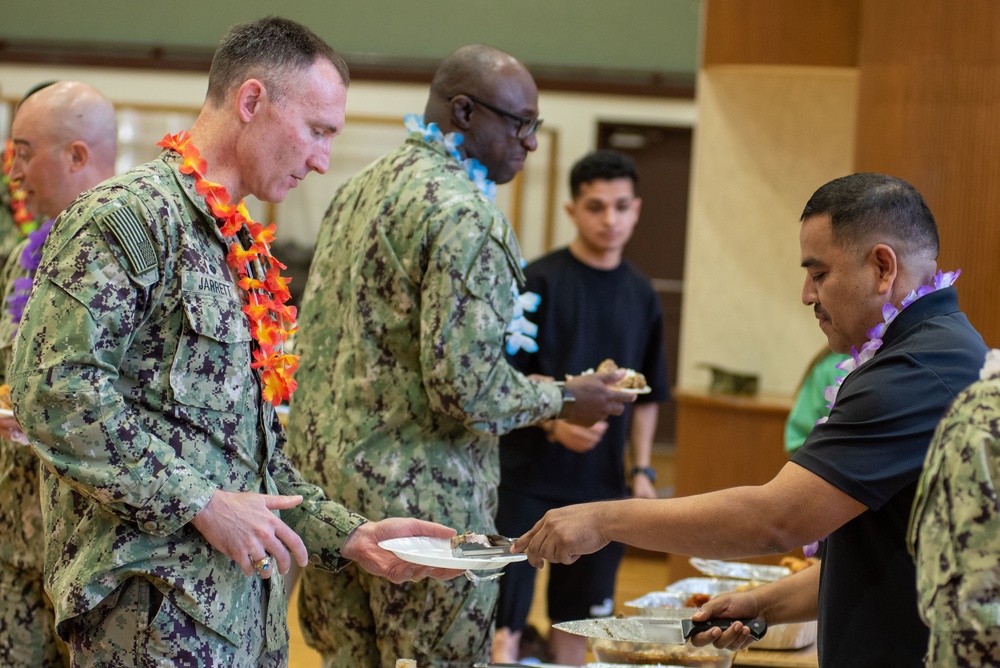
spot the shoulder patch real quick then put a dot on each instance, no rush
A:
(134, 239)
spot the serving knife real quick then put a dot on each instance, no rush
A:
(499, 547)
(655, 629)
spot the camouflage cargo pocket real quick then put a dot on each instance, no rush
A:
(211, 368)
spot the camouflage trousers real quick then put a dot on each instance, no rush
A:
(137, 626)
(27, 622)
(356, 620)
(964, 648)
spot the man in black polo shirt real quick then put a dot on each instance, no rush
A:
(869, 246)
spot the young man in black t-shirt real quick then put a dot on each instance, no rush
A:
(594, 306)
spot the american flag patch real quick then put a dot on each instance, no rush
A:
(134, 239)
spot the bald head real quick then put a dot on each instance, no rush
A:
(478, 70)
(475, 69)
(489, 96)
(66, 138)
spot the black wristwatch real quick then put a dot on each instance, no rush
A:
(647, 471)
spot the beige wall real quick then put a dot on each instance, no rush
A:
(572, 116)
(767, 137)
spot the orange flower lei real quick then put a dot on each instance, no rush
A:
(272, 321)
(25, 223)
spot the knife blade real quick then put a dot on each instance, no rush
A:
(494, 546)
(655, 629)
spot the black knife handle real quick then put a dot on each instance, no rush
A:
(758, 627)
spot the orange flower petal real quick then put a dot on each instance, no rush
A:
(272, 321)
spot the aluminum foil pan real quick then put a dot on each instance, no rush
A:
(676, 595)
(740, 571)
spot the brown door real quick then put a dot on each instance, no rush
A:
(663, 156)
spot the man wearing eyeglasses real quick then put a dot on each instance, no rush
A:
(403, 386)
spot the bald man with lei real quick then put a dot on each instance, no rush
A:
(65, 138)
(404, 389)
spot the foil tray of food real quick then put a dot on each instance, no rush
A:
(694, 592)
(739, 570)
(686, 593)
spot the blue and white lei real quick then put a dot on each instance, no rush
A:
(521, 332)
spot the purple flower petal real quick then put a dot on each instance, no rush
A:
(810, 549)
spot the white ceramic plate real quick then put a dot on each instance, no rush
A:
(6, 413)
(436, 552)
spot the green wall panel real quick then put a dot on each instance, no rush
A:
(637, 35)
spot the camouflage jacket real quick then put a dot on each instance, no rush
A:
(131, 376)
(404, 388)
(954, 531)
(21, 537)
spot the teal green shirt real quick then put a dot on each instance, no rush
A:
(810, 404)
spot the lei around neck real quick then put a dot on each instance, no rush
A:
(941, 280)
(520, 332)
(31, 256)
(29, 260)
(266, 293)
(450, 142)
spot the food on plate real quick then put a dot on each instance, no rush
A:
(794, 564)
(479, 544)
(633, 380)
(5, 402)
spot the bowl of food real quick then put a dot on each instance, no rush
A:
(622, 649)
(619, 652)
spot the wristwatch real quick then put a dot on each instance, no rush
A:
(567, 405)
(647, 471)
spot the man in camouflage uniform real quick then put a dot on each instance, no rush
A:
(164, 469)
(955, 530)
(65, 138)
(404, 388)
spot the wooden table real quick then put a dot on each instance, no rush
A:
(772, 658)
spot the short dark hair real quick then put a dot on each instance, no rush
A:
(267, 49)
(602, 165)
(874, 208)
(37, 87)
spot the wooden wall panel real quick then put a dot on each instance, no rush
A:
(929, 112)
(781, 32)
(725, 442)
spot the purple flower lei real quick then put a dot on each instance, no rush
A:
(29, 260)
(941, 280)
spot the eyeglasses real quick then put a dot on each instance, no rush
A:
(526, 125)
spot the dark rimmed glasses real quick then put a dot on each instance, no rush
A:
(526, 125)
